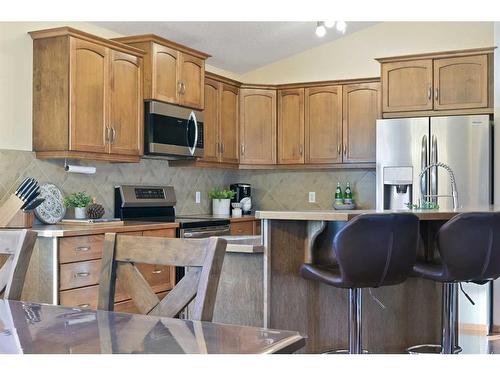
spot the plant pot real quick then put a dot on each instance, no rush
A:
(220, 207)
(80, 213)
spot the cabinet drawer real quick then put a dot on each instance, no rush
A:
(168, 233)
(129, 306)
(256, 227)
(87, 297)
(160, 278)
(76, 249)
(242, 228)
(76, 275)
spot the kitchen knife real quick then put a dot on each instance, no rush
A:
(30, 199)
(22, 185)
(24, 196)
(23, 192)
(33, 204)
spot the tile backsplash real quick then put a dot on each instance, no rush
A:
(271, 189)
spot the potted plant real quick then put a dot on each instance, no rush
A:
(221, 200)
(79, 201)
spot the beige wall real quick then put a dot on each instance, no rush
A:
(353, 56)
(16, 55)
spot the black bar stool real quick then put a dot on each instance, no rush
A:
(469, 248)
(370, 251)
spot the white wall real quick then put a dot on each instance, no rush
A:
(353, 55)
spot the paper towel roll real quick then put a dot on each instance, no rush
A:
(79, 169)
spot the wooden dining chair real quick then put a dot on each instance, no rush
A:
(204, 257)
(16, 247)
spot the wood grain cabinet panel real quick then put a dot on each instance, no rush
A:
(407, 85)
(361, 110)
(211, 145)
(461, 82)
(323, 124)
(192, 80)
(291, 126)
(80, 248)
(257, 126)
(126, 106)
(242, 228)
(76, 275)
(228, 130)
(165, 74)
(89, 91)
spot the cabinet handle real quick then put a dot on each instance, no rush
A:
(179, 90)
(84, 305)
(429, 94)
(345, 150)
(81, 274)
(157, 272)
(436, 94)
(183, 88)
(113, 133)
(108, 134)
(82, 248)
(222, 148)
(301, 150)
(242, 147)
(338, 149)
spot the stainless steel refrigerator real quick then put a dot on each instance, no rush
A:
(406, 146)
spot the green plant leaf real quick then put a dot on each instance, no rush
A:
(221, 194)
(79, 199)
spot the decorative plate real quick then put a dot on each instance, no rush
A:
(52, 210)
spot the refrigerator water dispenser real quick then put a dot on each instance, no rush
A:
(398, 187)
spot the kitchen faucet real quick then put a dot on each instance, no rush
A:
(454, 194)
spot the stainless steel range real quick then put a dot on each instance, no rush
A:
(157, 203)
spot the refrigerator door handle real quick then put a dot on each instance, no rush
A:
(423, 165)
(434, 160)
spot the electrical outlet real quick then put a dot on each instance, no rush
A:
(197, 197)
(312, 197)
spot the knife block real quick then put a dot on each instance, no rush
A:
(21, 220)
(9, 210)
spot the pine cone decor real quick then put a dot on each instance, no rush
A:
(95, 210)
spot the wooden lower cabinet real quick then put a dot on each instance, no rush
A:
(250, 227)
(79, 274)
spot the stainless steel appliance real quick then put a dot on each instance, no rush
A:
(243, 196)
(172, 132)
(157, 203)
(405, 147)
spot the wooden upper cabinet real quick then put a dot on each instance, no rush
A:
(323, 124)
(407, 85)
(257, 126)
(361, 110)
(192, 77)
(211, 146)
(229, 126)
(126, 106)
(88, 96)
(165, 74)
(173, 73)
(461, 82)
(291, 126)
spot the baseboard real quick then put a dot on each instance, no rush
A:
(474, 328)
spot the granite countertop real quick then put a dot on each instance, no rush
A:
(346, 215)
(82, 230)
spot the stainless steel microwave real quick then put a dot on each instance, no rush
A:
(172, 132)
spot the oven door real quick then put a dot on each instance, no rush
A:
(173, 131)
(222, 230)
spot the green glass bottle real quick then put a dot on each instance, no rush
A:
(348, 194)
(339, 198)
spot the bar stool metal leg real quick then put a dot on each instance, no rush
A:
(355, 320)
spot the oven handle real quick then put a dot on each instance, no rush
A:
(192, 116)
(203, 234)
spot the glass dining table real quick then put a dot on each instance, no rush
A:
(33, 328)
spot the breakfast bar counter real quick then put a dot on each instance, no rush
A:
(394, 317)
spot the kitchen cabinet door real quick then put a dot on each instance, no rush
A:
(461, 82)
(126, 105)
(165, 74)
(323, 124)
(257, 126)
(228, 131)
(211, 145)
(407, 85)
(192, 80)
(291, 126)
(89, 66)
(361, 110)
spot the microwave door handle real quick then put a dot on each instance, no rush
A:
(192, 149)
(423, 165)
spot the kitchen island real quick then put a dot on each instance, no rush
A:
(411, 311)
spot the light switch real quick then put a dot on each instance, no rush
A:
(312, 197)
(197, 197)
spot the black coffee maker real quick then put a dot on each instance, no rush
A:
(243, 196)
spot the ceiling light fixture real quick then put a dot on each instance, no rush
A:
(341, 27)
(320, 29)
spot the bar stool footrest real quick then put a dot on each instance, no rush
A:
(429, 349)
